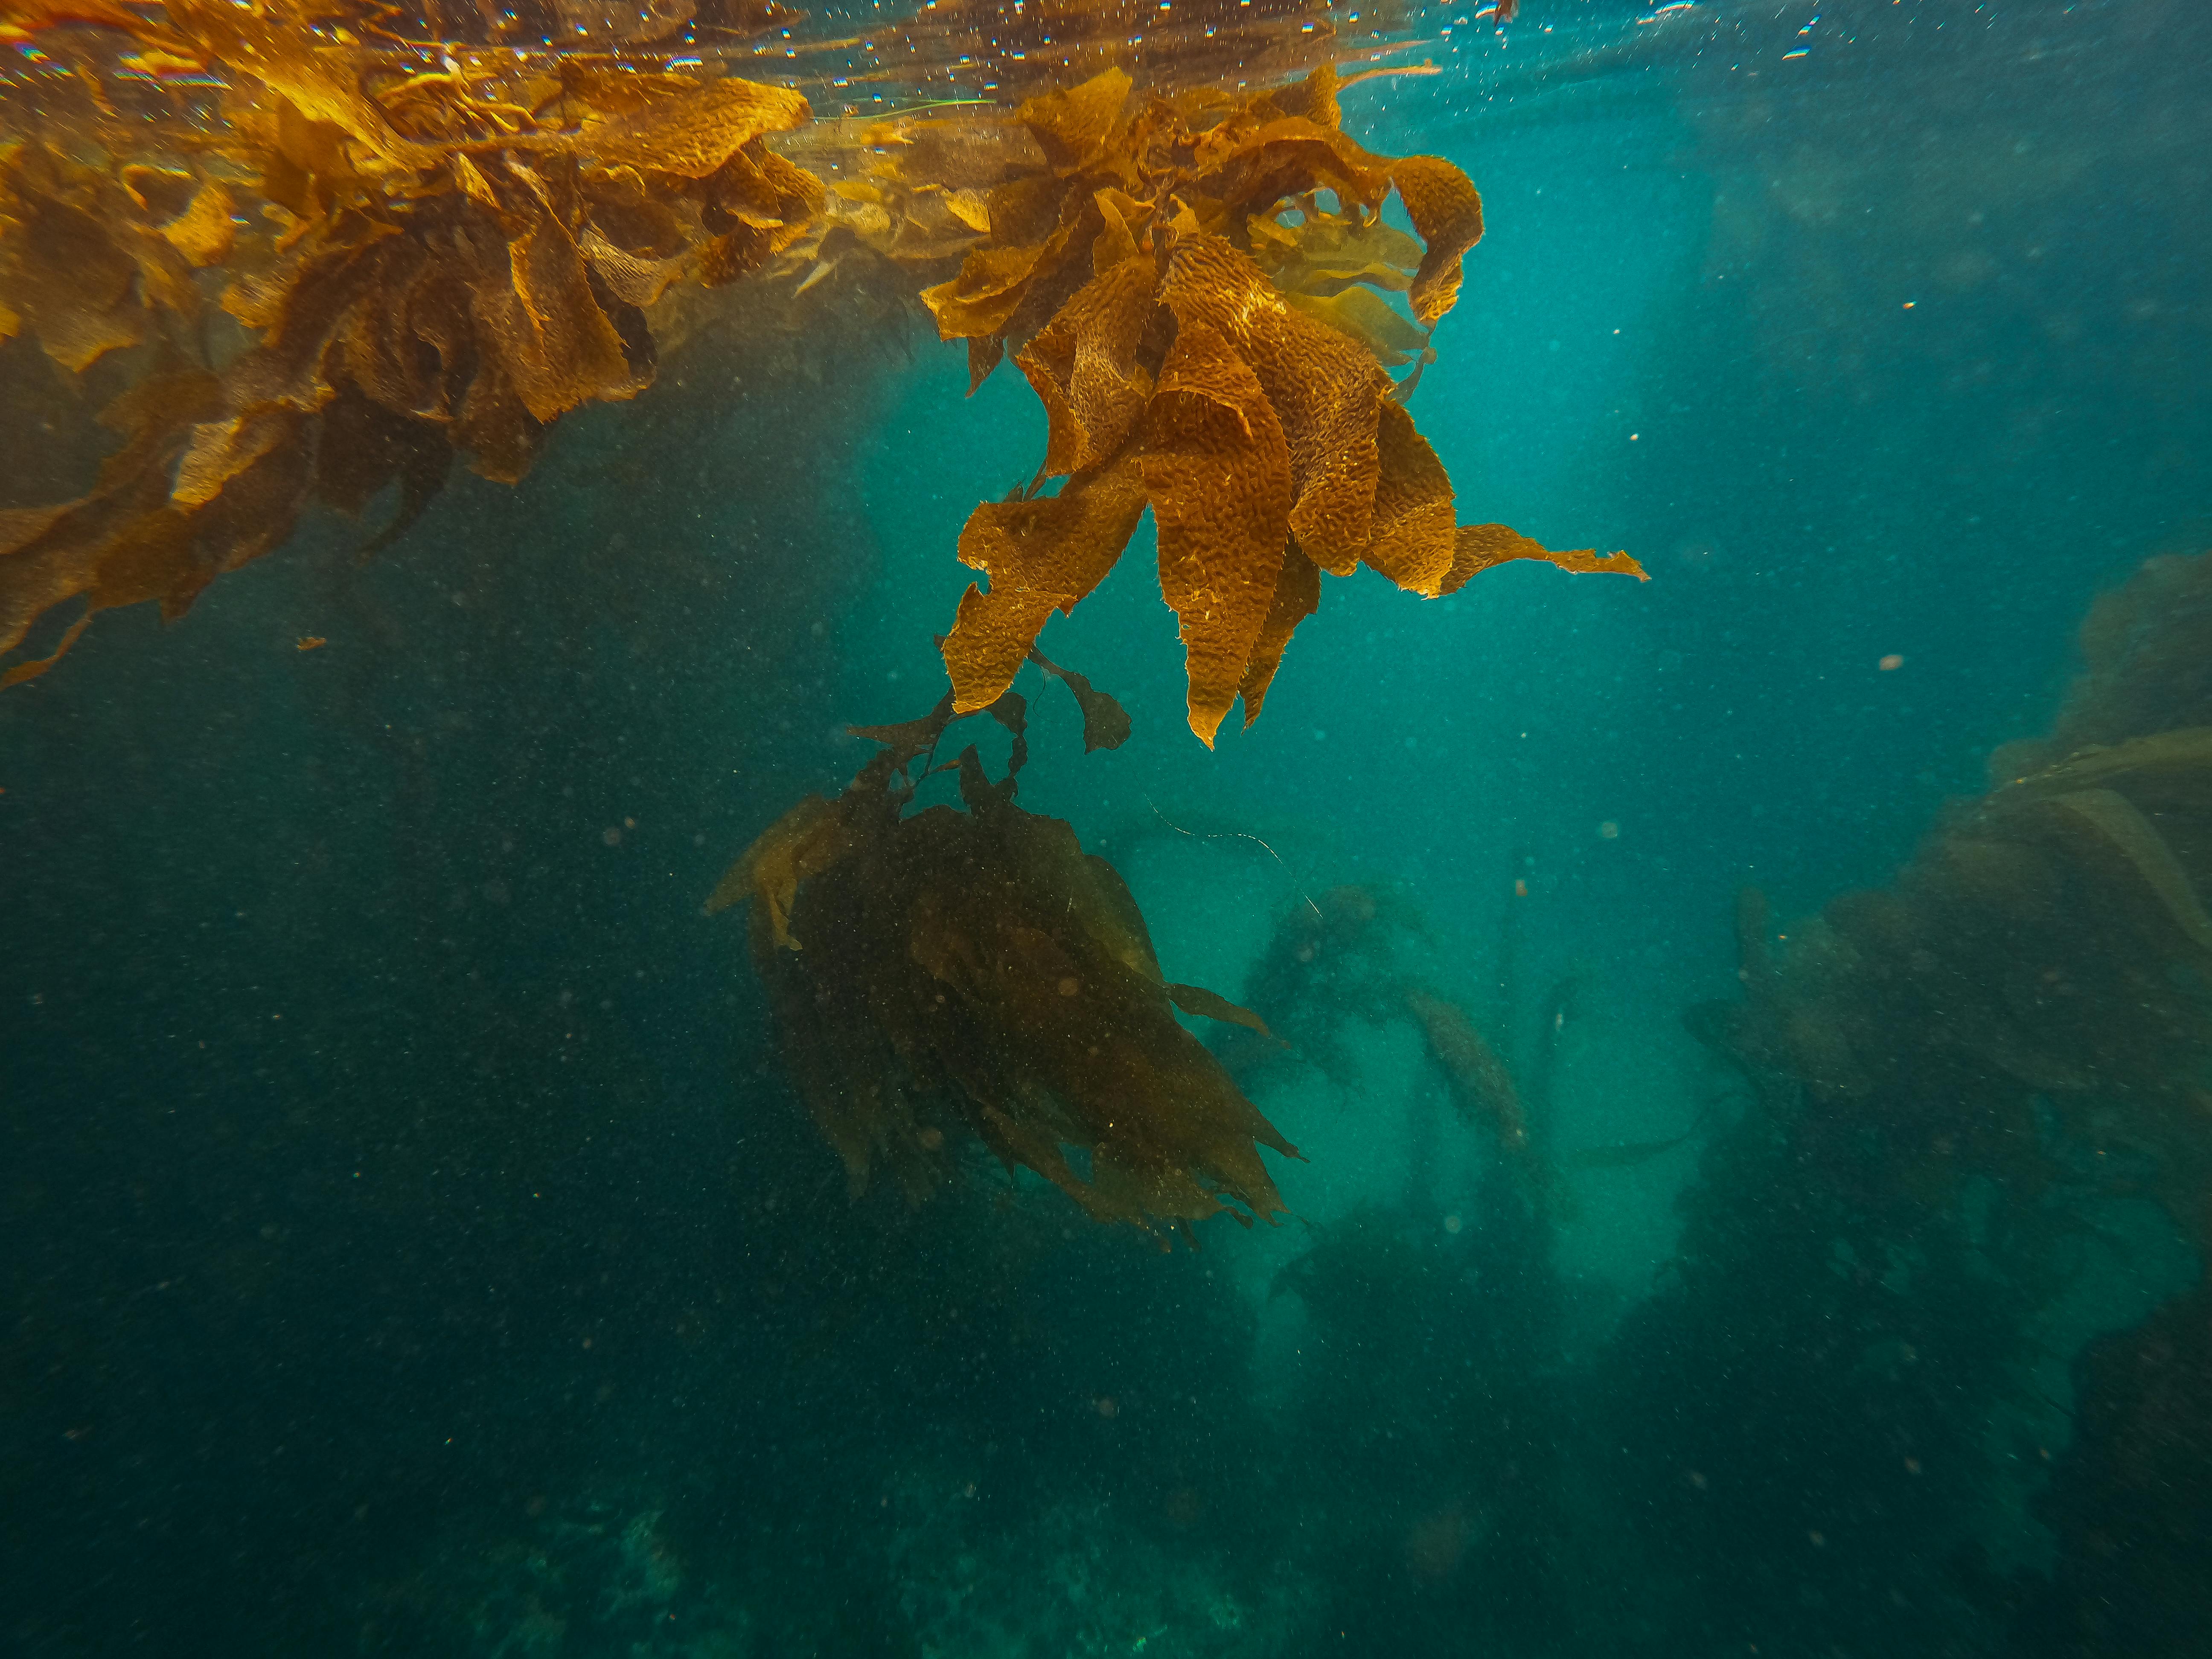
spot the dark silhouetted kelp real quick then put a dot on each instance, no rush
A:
(1951, 1077)
(975, 970)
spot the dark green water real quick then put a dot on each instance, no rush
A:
(409, 1243)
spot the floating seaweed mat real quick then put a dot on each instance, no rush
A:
(439, 253)
(1209, 344)
(974, 971)
(443, 249)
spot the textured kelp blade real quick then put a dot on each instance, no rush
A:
(49, 555)
(1324, 391)
(1217, 473)
(221, 449)
(1446, 211)
(1211, 1005)
(1414, 541)
(1041, 556)
(763, 204)
(634, 279)
(305, 308)
(1083, 368)
(1477, 547)
(1255, 160)
(692, 135)
(980, 301)
(1297, 596)
(1329, 253)
(1105, 722)
(322, 83)
(1070, 124)
(559, 348)
(67, 279)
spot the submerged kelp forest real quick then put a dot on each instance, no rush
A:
(646, 1010)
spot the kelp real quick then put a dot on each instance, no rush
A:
(972, 973)
(1481, 1088)
(440, 248)
(451, 253)
(1184, 306)
(2047, 950)
(1955, 1080)
(1363, 953)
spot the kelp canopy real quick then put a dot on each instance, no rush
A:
(1208, 341)
(431, 260)
(957, 973)
(342, 243)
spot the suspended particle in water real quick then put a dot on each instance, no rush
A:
(1608, 830)
(1891, 663)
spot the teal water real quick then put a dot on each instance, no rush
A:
(409, 1242)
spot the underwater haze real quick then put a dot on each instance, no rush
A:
(1745, 1033)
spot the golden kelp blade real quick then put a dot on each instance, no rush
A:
(1326, 392)
(1413, 542)
(1446, 211)
(692, 135)
(1361, 314)
(1297, 596)
(1217, 473)
(1479, 546)
(1159, 236)
(1085, 370)
(1042, 555)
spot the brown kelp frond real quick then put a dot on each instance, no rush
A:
(434, 260)
(1481, 1088)
(440, 248)
(1365, 953)
(973, 971)
(2048, 951)
(1209, 341)
(2142, 671)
